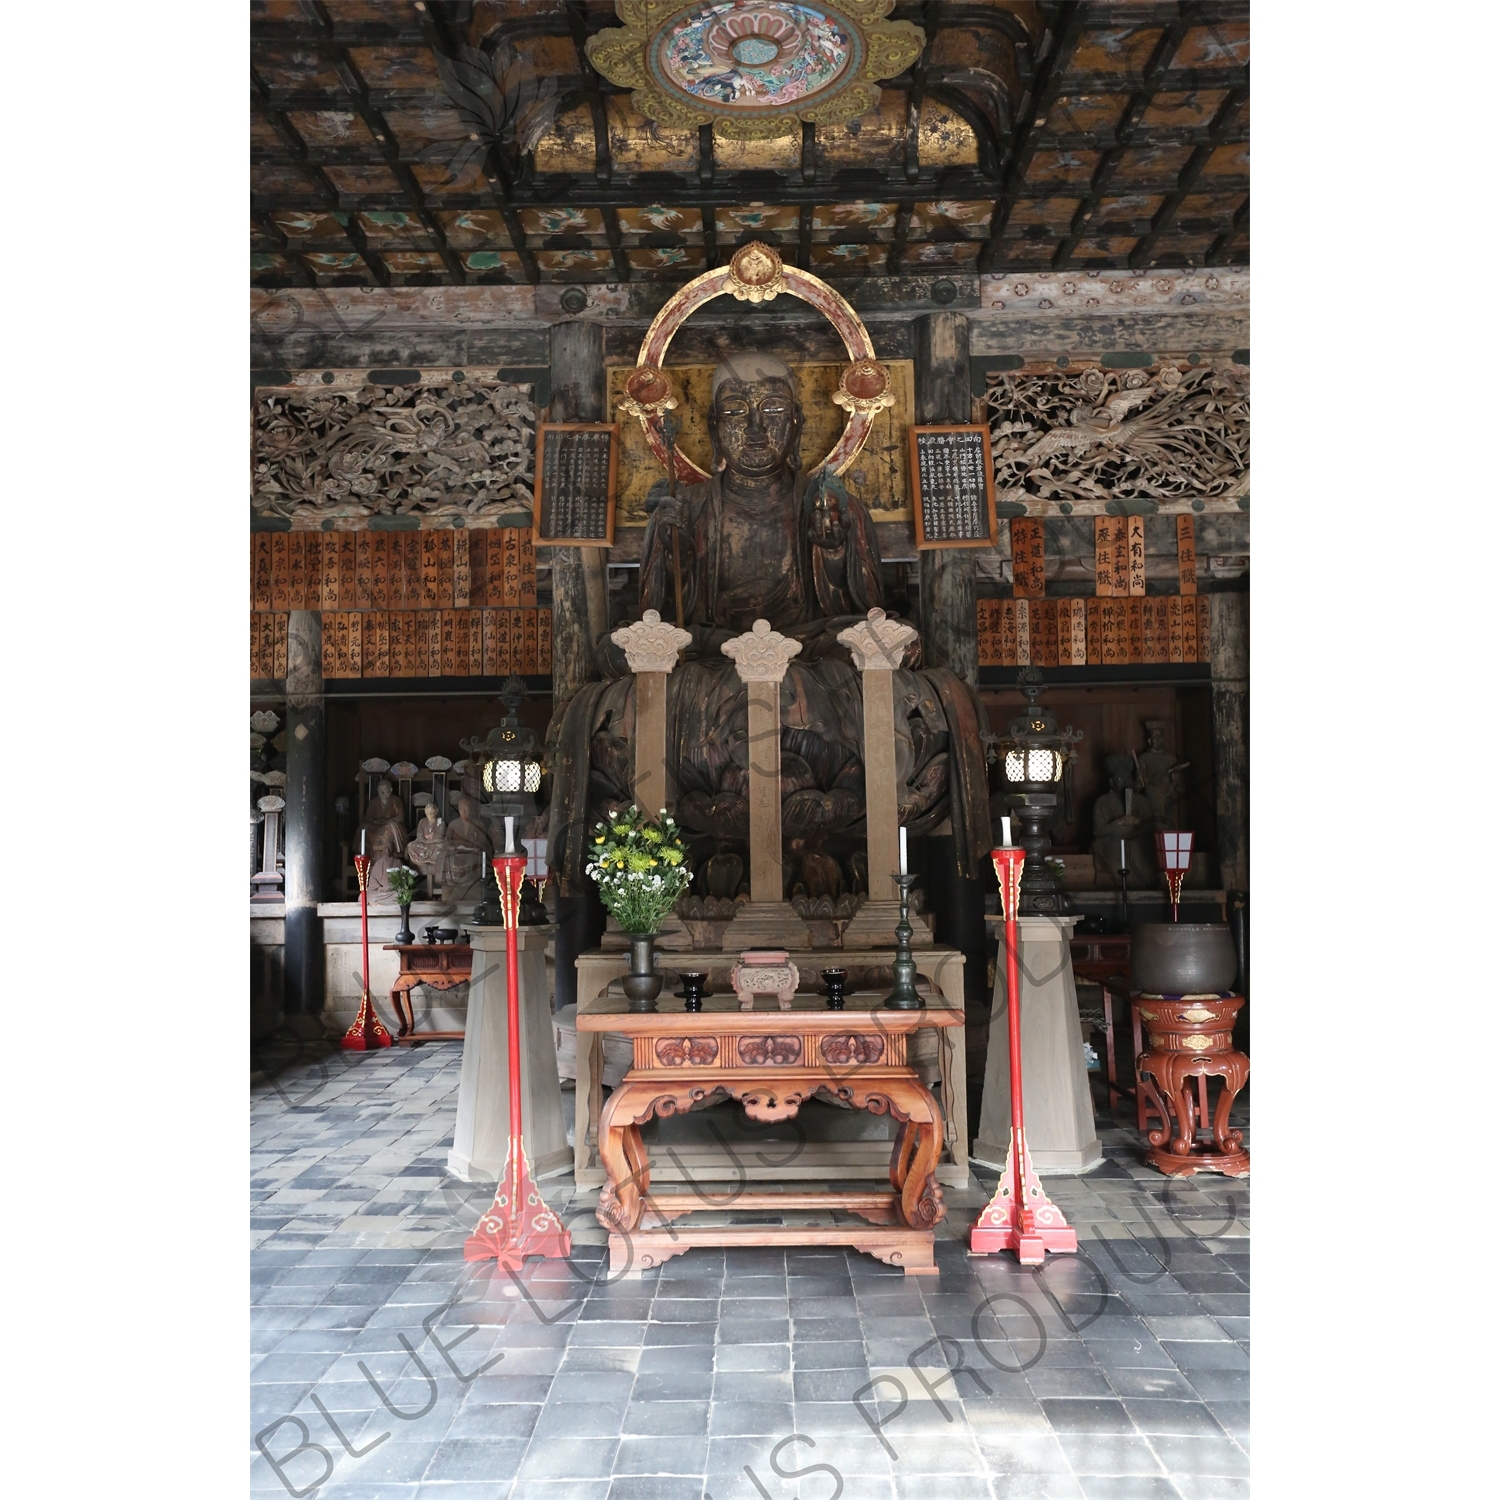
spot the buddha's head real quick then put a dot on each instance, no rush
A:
(383, 791)
(755, 420)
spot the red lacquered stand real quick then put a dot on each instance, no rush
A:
(1020, 1217)
(367, 1032)
(518, 1223)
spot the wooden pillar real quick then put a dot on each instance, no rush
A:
(947, 573)
(766, 920)
(1229, 667)
(877, 646)
(580, 608)
(651, 648)
(306, 773)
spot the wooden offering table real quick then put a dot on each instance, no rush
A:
(440, 966)
(941, 979)
(772, 1063)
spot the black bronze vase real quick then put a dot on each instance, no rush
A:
(642, 984)
(404, 934)
(694, 987)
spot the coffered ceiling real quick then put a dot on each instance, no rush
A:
(400, 143)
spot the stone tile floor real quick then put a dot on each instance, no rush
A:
(384, 1366)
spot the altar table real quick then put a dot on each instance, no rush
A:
(772, 1062)
(599, 971)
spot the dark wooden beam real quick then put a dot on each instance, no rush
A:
(1218, 252)
(804, 236)
(337, 54)
(616, 243)
(578, 29)
(1049, 70)
(1217, 129)
(898, 238)
(1152, 79)
(710, 238)
(323, 189)
(273, 232)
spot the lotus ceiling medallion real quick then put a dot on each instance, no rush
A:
(754, 69)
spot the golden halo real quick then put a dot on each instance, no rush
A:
(756, 273)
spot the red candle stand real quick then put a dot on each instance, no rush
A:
(518, 1223)
(367, 1032)
(1020, 1217)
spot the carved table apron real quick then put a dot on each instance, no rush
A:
(772, 1063)
(440, 966)
(600, 970)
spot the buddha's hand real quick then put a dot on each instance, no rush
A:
(670, 511)
(828, 530)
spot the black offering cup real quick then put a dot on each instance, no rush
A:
(694, 988)
(834, 980)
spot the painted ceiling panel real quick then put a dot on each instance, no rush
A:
(1224, 44)
(404, 70)
(1086, 114)
(334, 128)
(503, 132)
(475, 229)
(562, 221)
(1123, 49)
(656, 218)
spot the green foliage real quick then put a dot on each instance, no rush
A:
(404, 884)
(640, 867)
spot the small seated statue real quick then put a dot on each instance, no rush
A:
(758, 540)
(470, 850)
(428, 850)
(1118, 818)
(384, 809)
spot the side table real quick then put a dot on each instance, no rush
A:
(440, 966)
(1189, 1039)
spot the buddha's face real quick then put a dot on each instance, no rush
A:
(756, 426)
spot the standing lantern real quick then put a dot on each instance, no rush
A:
(1174, 853)
(1020, 1217)
(518, 1223)
(367, 1032)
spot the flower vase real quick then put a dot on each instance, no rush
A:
(642, 984)
(404, 934)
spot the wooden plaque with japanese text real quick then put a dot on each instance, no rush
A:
(1028, 558)
(952, 486)
(1094, 632)
(1135, 534)
(1187, 556)
(544, 642)
(1023, 632)
(574, 497)
(1104, 556)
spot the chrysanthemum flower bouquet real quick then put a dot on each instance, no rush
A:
(640, 866)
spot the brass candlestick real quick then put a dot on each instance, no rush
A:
(903, 995)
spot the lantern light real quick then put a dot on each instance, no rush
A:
(1174, 854)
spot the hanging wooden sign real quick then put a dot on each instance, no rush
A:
(1135, 532)
(544, 642)
(1028, 557)
(574, 498)
(1104, 556)
(952, 486)
(1187, 557)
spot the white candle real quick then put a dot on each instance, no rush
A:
(902, 832)
(361, 841)
(510, 835)
(1005, 831)
(1123, 864)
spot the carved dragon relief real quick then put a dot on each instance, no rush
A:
(1121, 440)
(433, 451)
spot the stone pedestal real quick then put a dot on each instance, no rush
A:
(1054, 1077)
(482, 1126)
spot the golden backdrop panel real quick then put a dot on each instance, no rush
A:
(878, 476)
